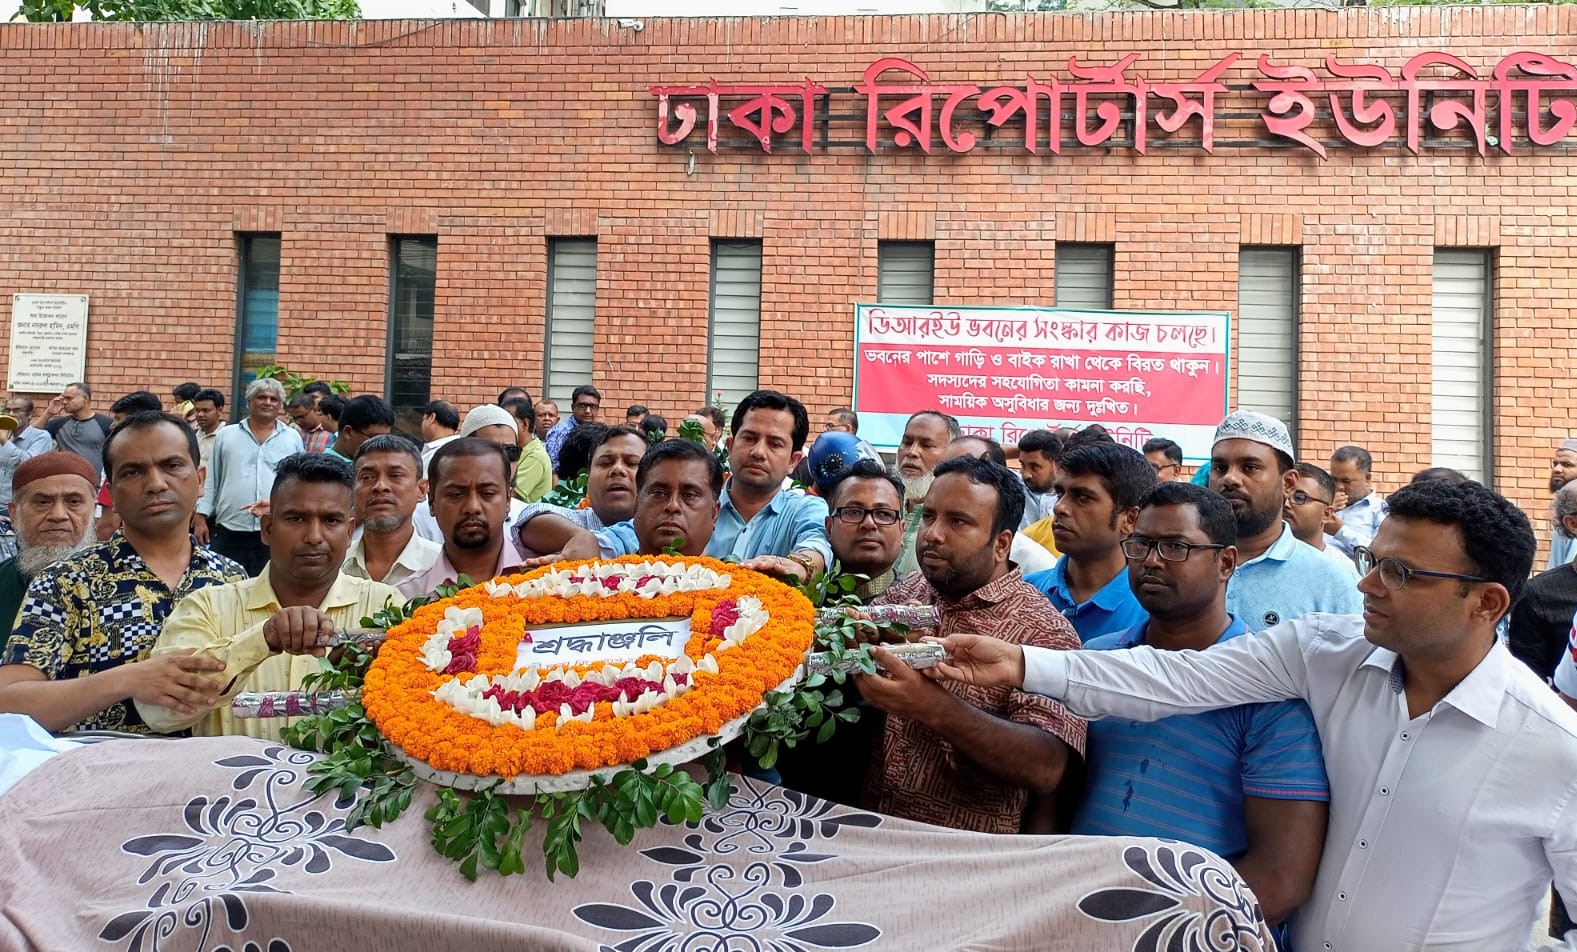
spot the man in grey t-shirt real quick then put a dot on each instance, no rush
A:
(76, 428)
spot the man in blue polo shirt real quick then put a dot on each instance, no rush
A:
(1098, 486)
(1278, 578)
(1246, 782)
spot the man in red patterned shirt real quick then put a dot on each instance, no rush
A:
(952, 754)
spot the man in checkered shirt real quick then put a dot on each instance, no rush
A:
(76, 659)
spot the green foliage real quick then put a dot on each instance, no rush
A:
(568, 493)
(293, 382)
(691, 430)
(151, 10)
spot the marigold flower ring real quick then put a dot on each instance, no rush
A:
(545, 678)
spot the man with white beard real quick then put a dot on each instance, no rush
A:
(52, 498)
(924, 443)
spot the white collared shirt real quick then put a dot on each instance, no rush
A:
(1360, 521)
(417, 557)
(1445, 829)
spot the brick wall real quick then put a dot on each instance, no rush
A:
(131, 155)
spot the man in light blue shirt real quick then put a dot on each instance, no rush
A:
(766, 527)
(1359, 508)
(1098, 486)
(1563, 469)
(241, 476)
(1278, 578)
(585, 404)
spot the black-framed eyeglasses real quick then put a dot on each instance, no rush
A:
(1299, 498)
(1137, 548)
(588, 406)
(854, 515)
(1394, 573)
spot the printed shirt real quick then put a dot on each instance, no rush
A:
(226, 621)
(1290, 580)
(918, 774)
(1360, 521)
(1185, 776)
(586, 518)
(241, 472)
(554, 441)
(1111, 609)
(103, 608)
(1445, 829)
(417, 557)
(317, 440)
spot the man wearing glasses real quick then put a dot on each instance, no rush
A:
(865, 526)
(1246, 782)
(1309, 504)
(1453, 768)
(585, 403)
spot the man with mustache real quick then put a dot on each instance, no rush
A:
(865, 526)
(1452, 767)
(52, 510)
(469, 494)
(1563, 469)
(73, 661)
(925, 440)
(270, 631)
(542, 528)
(496, 425)
(240, 472)
(1255, 784)
(1278, 578)
(1098, 488)
(678, 484)
(983, 760)
(389, 486)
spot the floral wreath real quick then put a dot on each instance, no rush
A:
(445, 690)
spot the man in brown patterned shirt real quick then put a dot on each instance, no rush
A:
(956, 755)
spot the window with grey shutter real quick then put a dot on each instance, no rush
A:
(413, 287)
(1267, 341)
(257, 313)
(571, 321)
(734, 324)
(905, 273)
(1083, 276)
(1459, 373)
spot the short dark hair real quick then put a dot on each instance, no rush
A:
(1356, 455)
(681, 450)
(1309, 470)
(521, 409)
(1010, 492)
(318, 387)
(138, 401)
(334, 406)
(445, 413)
(584, 390)
(302, 400)
(954, 430)
(847, 417)
(364, 411)
(1044, 442)
(464, 446)
(391, 443)
(1216, 518)
(1092, 435)
(187, 391)
(774, 400)
(1439, 472)
(655, 428)
(211, 395)
(575, 452)
(715, 414)
(635, 409)
(1160, 444)
(147, 420)
(1123, 470)
(505, 394)
(311, 468)
(1496, 536)
(866, 469)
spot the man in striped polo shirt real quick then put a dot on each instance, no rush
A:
(1247, 782)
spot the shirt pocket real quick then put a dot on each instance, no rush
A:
(128, 631)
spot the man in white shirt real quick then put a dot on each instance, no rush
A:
(1308, 506)
(389, 484)
(1453, 769)
(1358, 509)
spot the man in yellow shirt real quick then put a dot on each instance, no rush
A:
(269, 630)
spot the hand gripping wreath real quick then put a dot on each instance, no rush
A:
(482, 686)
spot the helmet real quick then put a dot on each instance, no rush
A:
(832, 455)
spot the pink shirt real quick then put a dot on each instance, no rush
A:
(443, 571)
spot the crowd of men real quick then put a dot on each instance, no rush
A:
(1348, 696)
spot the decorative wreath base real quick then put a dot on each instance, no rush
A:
(524, 785)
